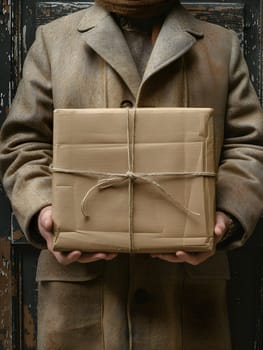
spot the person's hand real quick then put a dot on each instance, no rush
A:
(45, 226)
(221, 226)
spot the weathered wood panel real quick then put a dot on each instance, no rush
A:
(230, 16)
(253, 41)
(24, 302)
(47, 11)
(245, 297)
(5, 59)
(5, 296)
(5, 260)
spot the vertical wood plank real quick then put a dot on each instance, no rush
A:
(5, 260)
(253, 42)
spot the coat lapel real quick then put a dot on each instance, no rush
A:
(103, 35)
(178, 34)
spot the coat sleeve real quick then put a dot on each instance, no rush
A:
(240, 174)
(26, 141)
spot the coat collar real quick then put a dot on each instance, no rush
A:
(178, 34)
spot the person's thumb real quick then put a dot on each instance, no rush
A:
(45, 222)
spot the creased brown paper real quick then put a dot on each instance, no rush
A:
(133, 180)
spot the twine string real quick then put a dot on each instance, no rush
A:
(107, 179)
(131, 119)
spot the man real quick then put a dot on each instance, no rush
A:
(124, 54)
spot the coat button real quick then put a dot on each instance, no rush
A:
(126, 104)
(141, 296)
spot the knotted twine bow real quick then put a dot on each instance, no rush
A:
(109, 179)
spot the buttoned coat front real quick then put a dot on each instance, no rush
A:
(133, 302)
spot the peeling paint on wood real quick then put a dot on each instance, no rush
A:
(253, 43)
(24, 297)
(5, 260)
(5, 43)
(5, 295)
(230, 16)
(17, 235)
(48, 11)
(29, 329)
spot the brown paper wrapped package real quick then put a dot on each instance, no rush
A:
(133, 180)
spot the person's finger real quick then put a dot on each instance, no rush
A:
(221, 225)
(66, 258)
(193, 258)
(184, 257)
(77, 256)
(45, 223)
(46, 219)
(86, 258)
(168, 257)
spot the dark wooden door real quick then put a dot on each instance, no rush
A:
(18, 293)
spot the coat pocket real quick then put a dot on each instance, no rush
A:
(216, 267)
(49, 269)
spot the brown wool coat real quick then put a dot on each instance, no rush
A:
(134, 302)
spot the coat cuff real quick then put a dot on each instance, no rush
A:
(233, 235)
(33, 235)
